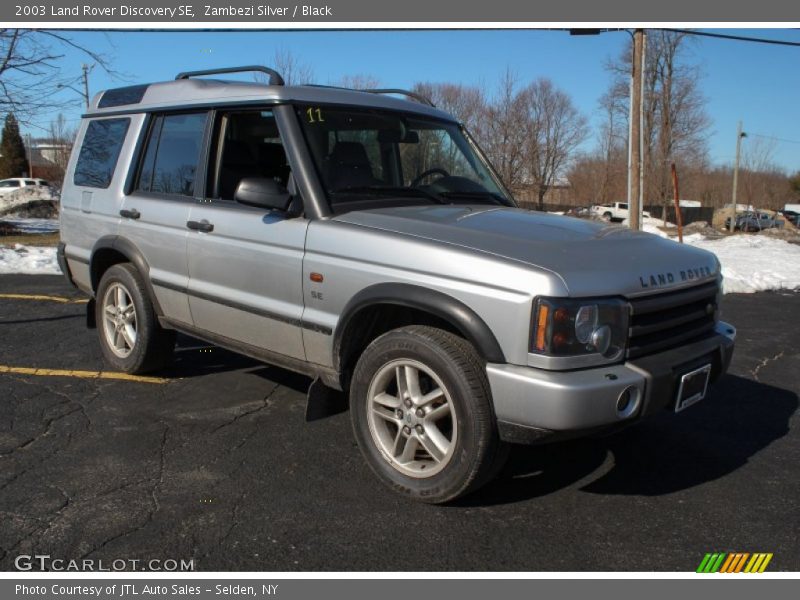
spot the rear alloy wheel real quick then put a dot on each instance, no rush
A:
(130, 336)
(119, 320)
(422, 414)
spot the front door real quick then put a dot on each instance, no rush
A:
(245, 263)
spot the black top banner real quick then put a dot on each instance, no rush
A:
(479, 12)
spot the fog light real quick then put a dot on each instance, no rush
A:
(628, 402)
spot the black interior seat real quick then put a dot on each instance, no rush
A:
(272, 162)
(238, 162)
(348, 166)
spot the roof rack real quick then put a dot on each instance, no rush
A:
(418, 97)
(274, 77)
(414, 95)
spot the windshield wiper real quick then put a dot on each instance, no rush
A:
(494, 198)
(389, 191)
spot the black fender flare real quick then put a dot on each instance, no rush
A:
(129, 250)
(445, 307)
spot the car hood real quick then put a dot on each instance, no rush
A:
(589, 257)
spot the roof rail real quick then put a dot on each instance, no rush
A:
(274, 77)
(414, 95)
(418, 97)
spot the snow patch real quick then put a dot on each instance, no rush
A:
(752, 263)
(29, 260)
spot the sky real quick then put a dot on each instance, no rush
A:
(754, 83)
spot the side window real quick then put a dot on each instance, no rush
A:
(30, 182)
(247, 145)
(171, 155)
(99, 152)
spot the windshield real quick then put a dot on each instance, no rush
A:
(372, 157)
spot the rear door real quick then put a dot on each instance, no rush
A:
(245, 263)
(156, 210)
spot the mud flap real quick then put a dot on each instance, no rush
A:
(91, 318)
(322, 401)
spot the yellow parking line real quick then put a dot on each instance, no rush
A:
(81, 374)
(61, 299)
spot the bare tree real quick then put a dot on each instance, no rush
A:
(293, 70)
(762, 182)
(466, 103)
(676, 123)
(612, 145)
(590, 181)
(30, 72)
(504, 138)
(62, 138)
(553, 130)
(794, 184)
(358, 82)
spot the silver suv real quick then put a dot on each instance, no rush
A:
(365, 241)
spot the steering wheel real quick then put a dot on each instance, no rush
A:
(435, 171)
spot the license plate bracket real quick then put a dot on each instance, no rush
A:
(693, 387)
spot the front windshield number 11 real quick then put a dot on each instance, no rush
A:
(315, 112)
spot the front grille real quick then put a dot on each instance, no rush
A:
(663, 321)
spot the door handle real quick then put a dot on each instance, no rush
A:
(200, 226)
(130, 214)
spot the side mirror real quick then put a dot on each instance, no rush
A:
(262, 192)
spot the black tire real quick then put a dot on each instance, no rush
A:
(154, 345)
(475, 454)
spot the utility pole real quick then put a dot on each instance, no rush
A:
(86, 69)
(635, 130)
(30, 155)
(739, 135)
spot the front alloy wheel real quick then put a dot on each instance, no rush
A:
(422, 414)
(412, 418)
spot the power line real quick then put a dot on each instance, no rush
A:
(738, 38)
(772, 137)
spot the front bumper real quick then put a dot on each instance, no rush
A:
(534, 405)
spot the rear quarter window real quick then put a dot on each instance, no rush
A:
(99, 152)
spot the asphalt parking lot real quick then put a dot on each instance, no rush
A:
(214, 461)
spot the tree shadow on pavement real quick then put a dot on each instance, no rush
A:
(662, 455)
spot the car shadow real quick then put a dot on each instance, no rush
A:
(195, 358)
(664, 454)
(39, 319)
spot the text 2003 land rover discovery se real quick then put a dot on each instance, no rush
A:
(365, 240)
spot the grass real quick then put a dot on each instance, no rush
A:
(30, 239)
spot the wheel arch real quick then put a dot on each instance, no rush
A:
(460, 318)
(114, 249)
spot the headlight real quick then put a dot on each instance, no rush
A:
(567, 327)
